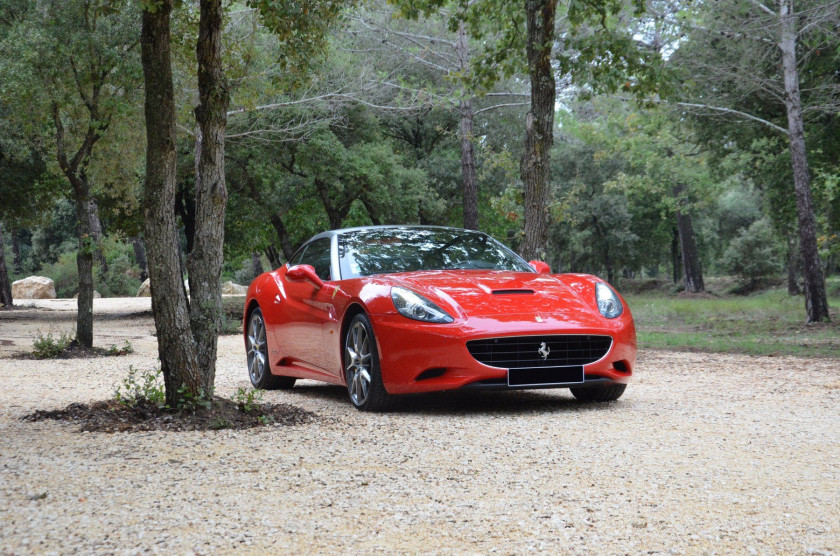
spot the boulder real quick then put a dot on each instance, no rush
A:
(232, 288)
(96, 295)
(33, 287)
(144, 290)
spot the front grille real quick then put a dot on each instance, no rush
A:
(523, 352)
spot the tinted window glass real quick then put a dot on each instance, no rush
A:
(317, 254)
(379, 251)
(295, 260)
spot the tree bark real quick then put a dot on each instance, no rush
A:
(96, 234)
(816, 301)
(692, 269)
(140, 257)
(470, 185)
(273, 256)
(169, 303)
(794, 265)
(5, 285)
(205, 260)
(18, 260)
(676, 263)
(535, 166)
(84, 264)
(283, 236)
(256, 264)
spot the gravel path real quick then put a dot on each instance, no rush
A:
(704, 453)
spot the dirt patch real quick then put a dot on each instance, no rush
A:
(111, 416)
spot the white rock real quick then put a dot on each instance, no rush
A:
(145, 289)
(33, 287)
(232, 288)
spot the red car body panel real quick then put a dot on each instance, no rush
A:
(305, 323)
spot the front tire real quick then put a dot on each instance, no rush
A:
(605, 393)
(259, 369)
(361, 367)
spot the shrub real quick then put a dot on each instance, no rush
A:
(141, 387)
(47, 347)
(247, 399)
(65, 274)
(754, 254)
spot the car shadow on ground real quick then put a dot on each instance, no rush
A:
(462, 402)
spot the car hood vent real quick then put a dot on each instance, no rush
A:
(513, 292)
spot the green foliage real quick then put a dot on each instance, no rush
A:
(141, 387)
(49, 347)
(188, 401)
(247, 399)
(125, 349)
(122, 278)
(65, 273)
(754, 254)
(301, 27)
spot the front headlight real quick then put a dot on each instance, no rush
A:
(417, 307)
(608, 302)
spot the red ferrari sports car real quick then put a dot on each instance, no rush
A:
(388, 310)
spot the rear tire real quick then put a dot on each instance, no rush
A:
(606, 393)
(361, 367)
(259, 369)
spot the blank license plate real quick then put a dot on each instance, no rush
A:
(545, 376)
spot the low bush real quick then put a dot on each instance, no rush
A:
(49, 347)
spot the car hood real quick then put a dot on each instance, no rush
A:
(510, 295)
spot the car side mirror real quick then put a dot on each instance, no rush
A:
(540, 267)
(304, 272)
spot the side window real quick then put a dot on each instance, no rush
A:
(317, 254)
(295, 260)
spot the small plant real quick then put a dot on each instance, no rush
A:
(247, 400)
(125, 349)
(141, 387)
(193, 402)
(220, 423)
(47, 347)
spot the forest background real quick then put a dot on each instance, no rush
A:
(673, 154)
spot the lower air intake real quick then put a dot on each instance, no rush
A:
(528, 352)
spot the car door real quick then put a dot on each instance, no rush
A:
(306, 306)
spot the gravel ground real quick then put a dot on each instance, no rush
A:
(703, 454)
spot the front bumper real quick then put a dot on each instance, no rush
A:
(417, 357)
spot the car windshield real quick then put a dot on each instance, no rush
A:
(386, 250)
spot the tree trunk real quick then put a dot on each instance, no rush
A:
(794, 265)
(688, 246)
(256, 264)
(283, 236)
(18, 260)
(205, 260)
(676, 263)
(169, 303)
(535, 165)
(140, 257)
(470, 185)
(5, 285)
(84, 264)
(96, 234)
(273, 256)
(816, 302)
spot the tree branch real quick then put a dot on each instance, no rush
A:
(721, 109)
(479, 111)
